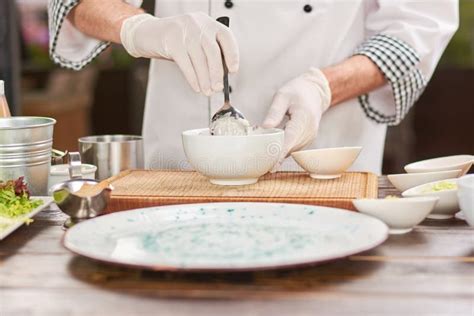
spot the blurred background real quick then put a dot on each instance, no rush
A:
(440, 124)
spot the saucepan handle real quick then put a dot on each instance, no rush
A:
(75, 164)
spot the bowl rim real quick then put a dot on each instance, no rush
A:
(309, 151)
(419, 174)
(408, 199)
(415, 189)
(469, 159)
(196, 133)
(93, 139)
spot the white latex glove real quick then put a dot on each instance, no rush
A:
(193, 41)
(304, 99)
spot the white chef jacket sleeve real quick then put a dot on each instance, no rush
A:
(405, 39)
(68, 47)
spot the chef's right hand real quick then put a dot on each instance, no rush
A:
(193, 41)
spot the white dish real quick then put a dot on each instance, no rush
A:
(60, 173)
(326, 163)
(233, 160)
(463, 162)
(466, 197)
(7, 226)
(225, 236)
(447, 205)
(405, 181)
(400, 214)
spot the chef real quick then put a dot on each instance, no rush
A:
(330, 72)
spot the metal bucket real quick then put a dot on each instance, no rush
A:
(25, 130)
(25, 161)
(112, 153)
(18, 150)
(34, 169)
(25, 150)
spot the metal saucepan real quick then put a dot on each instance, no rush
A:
(112, 153)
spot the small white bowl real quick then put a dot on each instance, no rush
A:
(447, 205)
(466, 197)
(405, 181)
(326, 163)
(60, 173)
(233, 160)
(400, 214)
(463, 162)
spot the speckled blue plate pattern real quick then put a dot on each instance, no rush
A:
(225, 236)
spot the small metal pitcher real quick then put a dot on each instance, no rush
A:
(80, 208)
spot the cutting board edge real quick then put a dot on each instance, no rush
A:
(126, 202)
(122, 204)
(372, 187)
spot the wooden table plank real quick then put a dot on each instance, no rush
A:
(134, 302)
(429, 271)
(348, 276)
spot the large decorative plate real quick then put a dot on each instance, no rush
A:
(225, 236)
(7, 226)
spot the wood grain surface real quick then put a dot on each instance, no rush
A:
(427, 272)
(144, 188)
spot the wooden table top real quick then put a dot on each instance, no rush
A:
(429, 271)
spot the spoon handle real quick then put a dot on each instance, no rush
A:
(225, 20)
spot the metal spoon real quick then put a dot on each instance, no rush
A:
(226, 108)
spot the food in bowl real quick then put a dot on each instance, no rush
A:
(446, 190)
(233, 159)
(227, 125)
(440, 186)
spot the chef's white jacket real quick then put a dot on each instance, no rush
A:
(279, 40)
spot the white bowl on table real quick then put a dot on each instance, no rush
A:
(462, 162)
(405, 181)
(60, 173)
(466, 197)
(326, 163)
(447, 205)
(400, 214)
(233, 160)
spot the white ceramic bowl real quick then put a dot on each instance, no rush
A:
(326, 163)
(405, 181)
(463, 162)
(60, 173)
(447, 205)
(401, 214)
(233, 160)
(466, 197)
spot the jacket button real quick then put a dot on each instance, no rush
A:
(308, 8)
(228, 4)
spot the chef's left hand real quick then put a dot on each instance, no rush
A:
(304, 99)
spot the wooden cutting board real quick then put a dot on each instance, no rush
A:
(144, 188)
